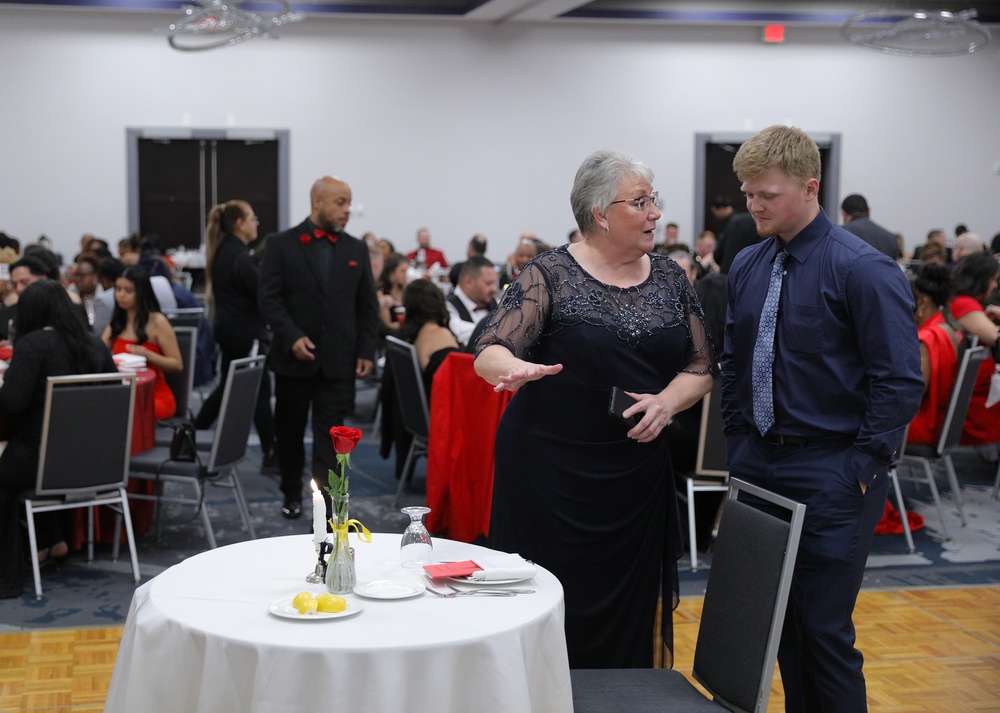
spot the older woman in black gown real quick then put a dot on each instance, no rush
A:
(577, 490)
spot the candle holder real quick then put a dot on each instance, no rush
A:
(318, 575)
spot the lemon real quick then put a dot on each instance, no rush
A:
(300, 598)
(330, 603)
(307, 607)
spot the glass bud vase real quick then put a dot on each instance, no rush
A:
(340, 575)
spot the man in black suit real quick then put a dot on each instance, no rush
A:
(317, 295)
(473, 300)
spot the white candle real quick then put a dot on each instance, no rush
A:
(319, 516)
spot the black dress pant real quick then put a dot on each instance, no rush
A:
(331, 401)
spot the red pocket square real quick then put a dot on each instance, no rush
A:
(352, 263)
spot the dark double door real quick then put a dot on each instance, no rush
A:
(178, 180)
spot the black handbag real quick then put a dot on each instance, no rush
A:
(183, 446)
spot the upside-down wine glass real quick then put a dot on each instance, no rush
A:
(416, 547)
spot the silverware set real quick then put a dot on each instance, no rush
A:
(456, 592)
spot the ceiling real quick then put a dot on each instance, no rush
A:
(691, 12)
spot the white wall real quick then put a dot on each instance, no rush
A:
(477, 128)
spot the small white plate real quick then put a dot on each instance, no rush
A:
(487, 582)
(389, 589)
(283, 609)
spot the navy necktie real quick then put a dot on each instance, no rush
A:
(763, 350)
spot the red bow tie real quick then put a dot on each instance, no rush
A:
(319, 233)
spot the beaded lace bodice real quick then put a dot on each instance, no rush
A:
(553, 293)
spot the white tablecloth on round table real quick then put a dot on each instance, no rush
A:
(199, 639)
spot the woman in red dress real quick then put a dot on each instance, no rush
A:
(138, 327)
(940, 336)
(973, 279)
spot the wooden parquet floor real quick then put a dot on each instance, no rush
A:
(926, 651)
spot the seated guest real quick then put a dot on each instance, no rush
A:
(932, 253)
(109, 270)
(138, 327)
(473, 300)
(527, 250)
(940, 337)
(476, 246)
(30, 269)
(973, 278)
(426, 257)
(206, 351)
(390, 291)
(85, 282)
(51, 341)
(426, 328)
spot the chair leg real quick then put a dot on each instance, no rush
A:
(33, 549)
(937, 497)
(126, 515)
(116, 547)
(241, 502)
(996, 483)
(901, 506)
(404, 477)
(692, 541)
(90, 534)
(206, 522)
(953, 482)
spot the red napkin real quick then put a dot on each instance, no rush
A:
(451, 569)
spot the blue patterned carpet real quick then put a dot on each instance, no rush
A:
(78, 594)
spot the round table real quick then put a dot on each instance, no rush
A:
(199, 639)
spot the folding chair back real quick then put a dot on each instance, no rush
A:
(239, 401)
(409, 383)
(185, 316)
(182, 382)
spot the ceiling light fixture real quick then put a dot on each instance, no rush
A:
(223, 23)
(918, 33)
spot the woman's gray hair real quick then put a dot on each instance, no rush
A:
(597, 182)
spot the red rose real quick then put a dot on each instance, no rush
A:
(344, 438)
(304, 238)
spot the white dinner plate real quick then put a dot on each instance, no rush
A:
(487, 582)
(283, 609)
(389, 589)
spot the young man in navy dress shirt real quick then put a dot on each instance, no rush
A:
(845, 382)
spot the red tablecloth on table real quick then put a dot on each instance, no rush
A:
(143, 438)
(464, 415)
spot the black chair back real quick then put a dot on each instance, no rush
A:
(239, 401)
(86, 433)
(181, 382)
(961, 397)
(746, 596)
(409, 385)
(712, 459)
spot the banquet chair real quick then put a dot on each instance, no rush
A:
(926, 458)
(711, 472)
(182, 382)
(83, 462)
(409, 386)
(218, 465)
(741, 620)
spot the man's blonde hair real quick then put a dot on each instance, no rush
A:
(786, 147)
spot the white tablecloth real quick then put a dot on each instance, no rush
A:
(199, 639)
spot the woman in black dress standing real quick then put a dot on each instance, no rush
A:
(52, 340)
(231, 277)
(577, 490)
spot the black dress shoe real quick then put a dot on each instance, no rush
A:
(292, 509)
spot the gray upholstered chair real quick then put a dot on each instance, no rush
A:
(83, 462)
(741, 620)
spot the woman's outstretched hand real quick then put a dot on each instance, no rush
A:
(521, 375)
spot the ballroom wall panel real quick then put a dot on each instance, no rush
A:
(478, 128)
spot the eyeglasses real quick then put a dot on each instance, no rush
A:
(254, 219)
(642, 202)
